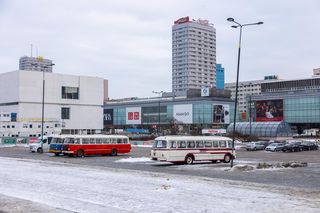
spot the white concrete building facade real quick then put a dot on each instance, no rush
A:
(73, 104)
(193, 55)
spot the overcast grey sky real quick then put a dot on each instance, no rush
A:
(129, 41)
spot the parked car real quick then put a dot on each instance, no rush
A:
(308, 146)
(292, 147)
(265, 143)
(275, 147)
(254, 146)
(39, 146)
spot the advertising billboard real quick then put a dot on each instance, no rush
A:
(133, 115)
(221, 114)
(108, 116)
(182, 113)
(269, 110)
(205, 92)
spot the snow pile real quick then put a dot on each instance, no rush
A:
(241, 167)
(290, 164)
(134, 160)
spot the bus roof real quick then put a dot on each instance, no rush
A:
(95, 136)
(183, 137)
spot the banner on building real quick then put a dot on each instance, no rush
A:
(221, 114)
(182, 113)
(205, 92)
(133, 115)
(108, 116)
(269, 110)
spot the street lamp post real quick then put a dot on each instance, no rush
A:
(43, 91)
(237, 81)
(159, 117)
(250, 116)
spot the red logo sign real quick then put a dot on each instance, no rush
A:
(182, 20)
(133, 115)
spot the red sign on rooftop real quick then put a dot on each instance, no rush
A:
(182, 20)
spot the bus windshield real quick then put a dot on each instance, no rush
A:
(159, 144)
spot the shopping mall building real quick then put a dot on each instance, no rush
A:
(296, 102)
(195, 111)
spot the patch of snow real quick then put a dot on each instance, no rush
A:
(134, 160)
(148, 146)
(83, 189)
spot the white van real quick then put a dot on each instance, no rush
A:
(40, 146)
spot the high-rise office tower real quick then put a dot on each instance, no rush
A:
(193, 54)
(35, 63)
(220, 76)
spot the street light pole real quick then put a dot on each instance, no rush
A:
(250, 116)
(42, 110)
(159, 117)
(237, 81)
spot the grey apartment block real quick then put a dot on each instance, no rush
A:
(35, 64)
(193, 55)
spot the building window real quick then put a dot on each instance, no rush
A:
(65, 113)
(70, 92)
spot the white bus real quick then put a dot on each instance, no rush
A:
(187, 149)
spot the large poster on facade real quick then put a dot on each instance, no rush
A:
(269, 110)
(182, 113)
(221, 113)
(133, 115)
(108, 116)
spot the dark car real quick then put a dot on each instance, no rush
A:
(308, 146)
(292, 147)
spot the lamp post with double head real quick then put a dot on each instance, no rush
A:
(240, 26)
(43, 93)
(250, 110)
(159, 117)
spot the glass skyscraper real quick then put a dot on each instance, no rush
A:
(220, 76)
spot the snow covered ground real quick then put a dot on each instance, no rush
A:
(68, 187)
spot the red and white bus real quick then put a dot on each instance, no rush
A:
(187, 149)
(81, 145)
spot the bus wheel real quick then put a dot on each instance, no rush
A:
(227, 158)
(39, 150)
(114, 152)
(56, 154)
(189, 159)
(80, 153)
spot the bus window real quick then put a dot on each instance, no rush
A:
(199, 144)
(113, 140)
(85, 140)
(125, 140)
(92, 141)
(159, 144)
(191, 144)
(106, 140)
(230, 144)
(182, 144)
(215, 143)
(99, 141)
(173, 144)
(77, 141)
(223, 144)
(208, 144)
(119, 140)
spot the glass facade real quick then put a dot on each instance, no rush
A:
(220, 76)
(262, 129)
(202, 112)
(302, 109)
(298, 108)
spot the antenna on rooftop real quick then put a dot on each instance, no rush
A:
(31, 48)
